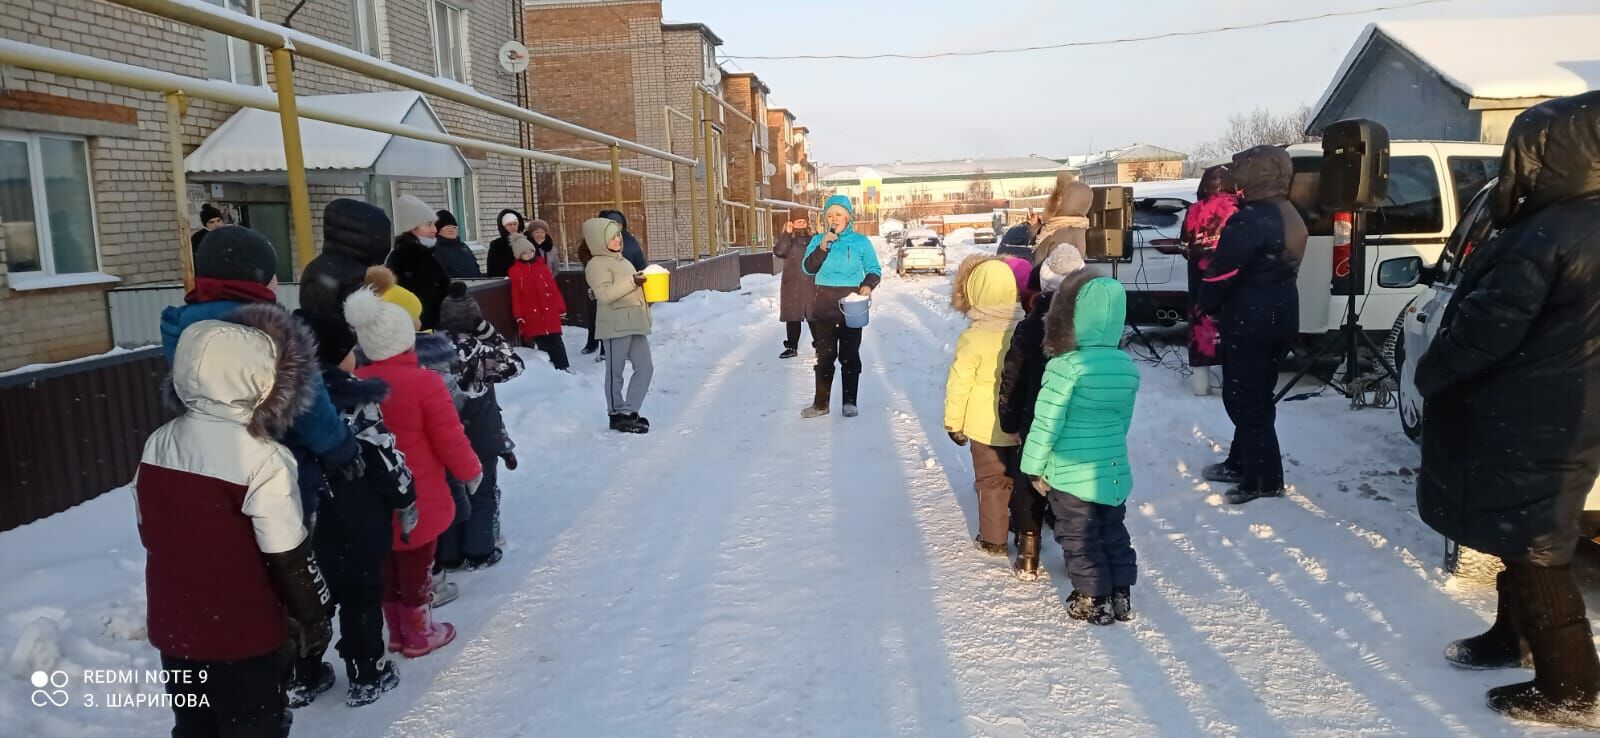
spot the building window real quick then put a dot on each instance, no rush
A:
(463, 197)
(449, 41)
(713, 76)
(47, 205)
(231, 59)
(364, 24)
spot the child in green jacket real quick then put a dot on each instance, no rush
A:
(1077, 450)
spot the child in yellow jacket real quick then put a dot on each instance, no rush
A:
(986, 291)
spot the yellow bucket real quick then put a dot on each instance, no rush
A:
(657, 287)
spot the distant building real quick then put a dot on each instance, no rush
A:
(913, 190)
(1455, 80)
(1136, 163)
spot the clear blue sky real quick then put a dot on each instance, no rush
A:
(1171, 92)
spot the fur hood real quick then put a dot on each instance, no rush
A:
(1263, 173)
(255, 366)
(349, 392)
(960, 299)
(1060, 333)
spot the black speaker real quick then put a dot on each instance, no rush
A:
(1112, 208)
(1355, 165)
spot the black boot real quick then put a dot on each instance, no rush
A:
(852, 385)
(1500, 647)
(310, 679)
(819, 405)
(1566, 672)
(1122, 603)
(1094, 610)
(624, 423)
(640, 419)
(1027, 563)
(789, 352)
(369, 679)
(1240, 495)
(1222, 474)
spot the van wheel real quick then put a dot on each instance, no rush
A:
(1410, 422)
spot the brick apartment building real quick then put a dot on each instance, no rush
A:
(85, 188)
(746, 140)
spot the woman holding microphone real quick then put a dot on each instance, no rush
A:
(843, 263)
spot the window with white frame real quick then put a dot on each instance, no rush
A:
(713, 75)
(449, 40)
(47, 205)
(364, 26)
(463, 197)
(231, 59)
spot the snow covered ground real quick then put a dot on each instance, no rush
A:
(741, 571)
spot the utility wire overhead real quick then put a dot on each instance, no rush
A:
(1100, 42)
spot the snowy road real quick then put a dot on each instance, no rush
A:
(741, 571)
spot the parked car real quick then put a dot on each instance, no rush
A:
(1419, 322)
(1430, 184)
(895, 238)
(983, 235)
(922, 250)
(1155, 272)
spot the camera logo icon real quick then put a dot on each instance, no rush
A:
(56, 695)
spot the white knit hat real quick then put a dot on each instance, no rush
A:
(1064, 260)
(411, 212)
(383, 329)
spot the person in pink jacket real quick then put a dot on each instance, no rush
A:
(423, 419)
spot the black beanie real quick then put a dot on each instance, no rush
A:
(208, 213)
(238, 253)
(459, 313)
(445, 219)
(335, 339)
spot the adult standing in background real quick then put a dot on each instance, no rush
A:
(631, 250)
(1215, 202)
(413, 261)
(453, 253)
(843, 262)
(355, 235)
(210, 220)
(1065, 221)
(500, 258)
(798, 289)
(1250, 286)
(1510, 441)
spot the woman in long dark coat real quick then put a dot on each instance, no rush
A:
(798, 289)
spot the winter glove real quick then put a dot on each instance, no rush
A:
(958, 437)
(638, 280)
(1040, 486)
(408, 522)
(510, 459)
(305, 594)
(485, 330)
(354, 470)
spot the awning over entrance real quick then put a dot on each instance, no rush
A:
(248, 148)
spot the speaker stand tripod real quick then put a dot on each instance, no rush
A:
(1127, 320)
(1349, 337)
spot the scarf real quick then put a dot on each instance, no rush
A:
(1057, 223)
(208, 289)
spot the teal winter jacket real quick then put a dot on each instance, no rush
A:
(1079, 439)
(851, 262)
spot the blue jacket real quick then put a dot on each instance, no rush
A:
(851, 262)
(318, 430)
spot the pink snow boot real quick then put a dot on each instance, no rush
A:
(422, 635)
(392, 616)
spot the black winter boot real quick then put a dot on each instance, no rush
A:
(1026, 564)
(1093, 610)
(369, 679)
(1240, 495)
(1566, 670)
(1221, 473)
(1500, 647)
(852, 386)
(640, 419)
(1122, 604)
(824, 397)
(310, 679)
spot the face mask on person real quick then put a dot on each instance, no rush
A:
(429, 242)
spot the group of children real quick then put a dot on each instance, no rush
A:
(320, 462)
(1042, 393)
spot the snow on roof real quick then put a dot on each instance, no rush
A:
(940, 168)
(1494, 58)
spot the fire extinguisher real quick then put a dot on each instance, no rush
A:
(1343, 226)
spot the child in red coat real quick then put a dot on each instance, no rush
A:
(420, 414)
(536, 302)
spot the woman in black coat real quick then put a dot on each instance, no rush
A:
(1511, 428)
(355, 236)
(798, 289)
(413, 262)
(500, 258)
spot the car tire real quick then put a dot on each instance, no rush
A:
(1411, 426)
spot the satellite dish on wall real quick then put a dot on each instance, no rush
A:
(770, 170)
(514, 57)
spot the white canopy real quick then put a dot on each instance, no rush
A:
(249, 146)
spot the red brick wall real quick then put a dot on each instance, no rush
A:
(582, 70)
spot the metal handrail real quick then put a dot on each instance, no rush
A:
(231, 23)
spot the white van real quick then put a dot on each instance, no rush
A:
(1430, 184)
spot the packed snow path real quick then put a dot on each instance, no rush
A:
(743, 571)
